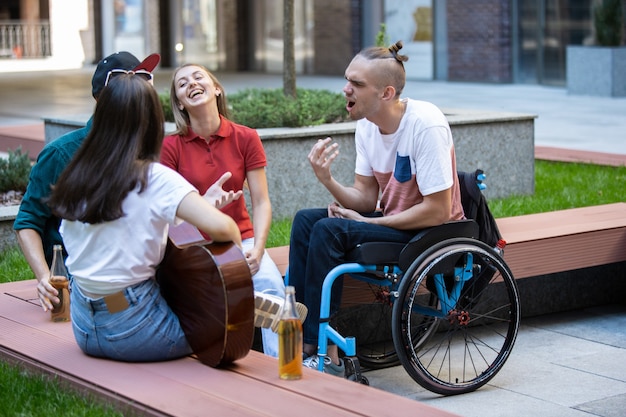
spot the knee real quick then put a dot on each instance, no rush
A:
(304, 221)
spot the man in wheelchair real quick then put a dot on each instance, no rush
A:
(405, 159)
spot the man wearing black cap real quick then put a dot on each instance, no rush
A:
(36, 227)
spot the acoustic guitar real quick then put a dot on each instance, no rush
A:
(209, 287)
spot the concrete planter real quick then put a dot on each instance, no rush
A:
(596, 70)
(500, 143)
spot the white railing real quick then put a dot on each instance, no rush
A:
(21, 39)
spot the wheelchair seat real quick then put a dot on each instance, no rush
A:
(403, 254)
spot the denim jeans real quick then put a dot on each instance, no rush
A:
(146, 331)
(267, 280)
(318, 244)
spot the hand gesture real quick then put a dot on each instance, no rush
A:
(321, 157)
(216, 194)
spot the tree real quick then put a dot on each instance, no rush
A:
(608, 22)
(289, 56)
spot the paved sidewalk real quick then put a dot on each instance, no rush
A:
(569, 364)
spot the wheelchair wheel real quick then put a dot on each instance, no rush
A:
(368, 319)
(467, 345)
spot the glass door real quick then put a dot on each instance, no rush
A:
(545, 28)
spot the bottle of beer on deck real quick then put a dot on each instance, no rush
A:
(59, 279)
(290, 338)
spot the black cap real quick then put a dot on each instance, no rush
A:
(120, 60)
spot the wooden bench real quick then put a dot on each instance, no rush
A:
(544, 243)
(183, 387)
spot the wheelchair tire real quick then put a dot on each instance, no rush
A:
(460, 350)
(373, 334)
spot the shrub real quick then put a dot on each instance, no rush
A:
(14, 171)
(381, 37)
(164, 98)
(263, 108)
(608, 17)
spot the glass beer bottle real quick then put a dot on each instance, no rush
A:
(59, 279)
(290, 338)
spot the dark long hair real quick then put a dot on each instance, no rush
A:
(125, 137)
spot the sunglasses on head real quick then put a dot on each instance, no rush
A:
(146, 75)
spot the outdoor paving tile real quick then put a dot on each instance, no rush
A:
(549, 373)
(551, 345)
(556, 383)
(604, 324)
(394, 379)
(611, 365)
(493, 402)
(607, 407)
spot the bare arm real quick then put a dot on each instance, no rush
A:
(433, 211)
(261, 215)
(32, 248)
(362, 196)
(200, 213)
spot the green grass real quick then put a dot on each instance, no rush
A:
(13, 266)
(28, 394)
(557, 186)
(560, 186)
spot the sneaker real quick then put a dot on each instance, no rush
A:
(329, 366)
(267, 309)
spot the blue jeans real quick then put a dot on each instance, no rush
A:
(146, 331)
(318, 244)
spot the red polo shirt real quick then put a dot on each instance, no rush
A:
(233, 148)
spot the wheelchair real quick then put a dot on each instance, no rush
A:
(444, 305)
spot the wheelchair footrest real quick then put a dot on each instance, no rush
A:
(353, 370)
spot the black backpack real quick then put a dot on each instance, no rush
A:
(476, 208)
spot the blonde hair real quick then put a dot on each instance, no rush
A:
(181, 117)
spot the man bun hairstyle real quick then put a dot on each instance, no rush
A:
(394, 49)
(391, 73)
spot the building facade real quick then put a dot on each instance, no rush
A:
(497, 41)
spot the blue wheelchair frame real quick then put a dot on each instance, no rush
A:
(385, 264)
(390, 275)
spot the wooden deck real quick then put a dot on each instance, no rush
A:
(564, 240)
(544, 243)
(184, 387)
(571, 155)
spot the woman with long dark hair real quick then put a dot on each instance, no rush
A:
(117, 202)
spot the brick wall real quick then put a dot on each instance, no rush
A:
(479, 40)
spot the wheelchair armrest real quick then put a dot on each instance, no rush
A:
(428, 237)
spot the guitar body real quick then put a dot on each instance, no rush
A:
(209, 287)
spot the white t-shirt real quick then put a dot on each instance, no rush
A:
(107, 257)
(416, 160)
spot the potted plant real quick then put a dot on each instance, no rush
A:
(600, 69)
